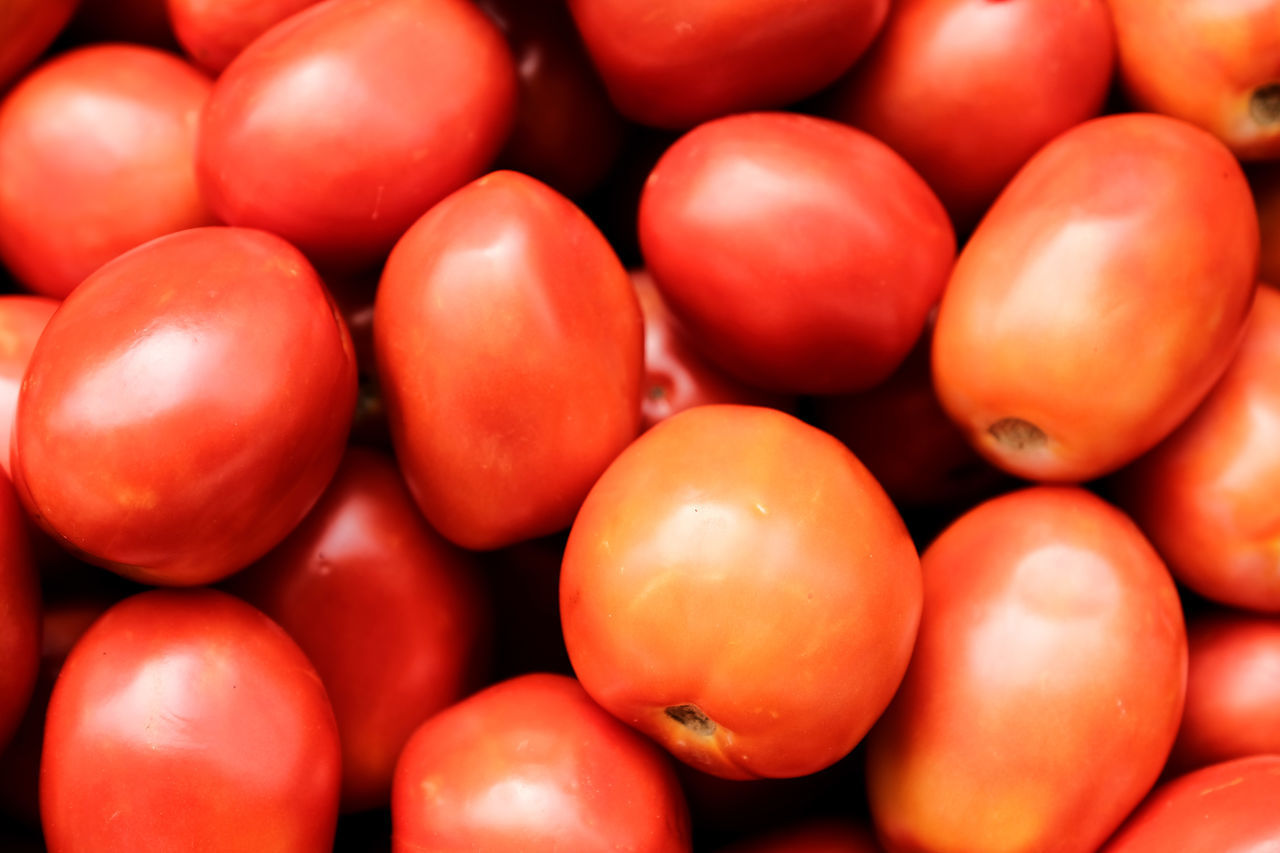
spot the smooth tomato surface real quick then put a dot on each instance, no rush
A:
(739, 588)
(19, 614)
(532, 764)
(213, 32)
(1099, 300)
(510, 349)
(1045, 688)
(26, 29)
(189, 720)
(185, 407)
(22, 319)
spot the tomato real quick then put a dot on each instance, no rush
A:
(1225, 808)
(510, 348)
(213, 32)
(739, 588)
(800, 254)
(968, 90)
(1045, 688)
(185, 407)
(1099, 300)
(1210, 62)
(187, 719)
(97, 156)
(22, 319)
(675, 64)
(26, 29)
(341, 125)
(532, 764)
(815, 836)
(19, 614)
(391, 615)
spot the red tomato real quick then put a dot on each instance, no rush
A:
(532, 764)
(213, 32)
(1233, 690)
(1207, 495)
(22, 319)
(740, 589)
(674, 64)
(800, 254)
(1226, 808)
(1099, 300)
(815, 836)
(1045, 688)
(341, 125)
(1210, 62)
(391, 615)
(97, 156)
(185, 407)
(968, 90)
(509, 344)
(19, 614)
(26, 28)
(188, 720)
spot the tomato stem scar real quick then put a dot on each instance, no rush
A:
(692, 718)
(1264, 106)
(1017, 434)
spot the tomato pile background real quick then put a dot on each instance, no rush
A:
(746, 425)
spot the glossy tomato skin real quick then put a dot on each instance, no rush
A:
(1225, 808)
(510, 347)
(22, 319)
(27, 27)
(19, 614)
(801, 255)
(1206, 495)
(1045, 688)
(1129, 240)
(739, 588)
(185, 407)
(184, 719)
(675, 64)
(532, 764)
(813, 836)
(1210, 62)
(391, 615)
(339, 126)
(1001, 78)
(97, 156)
(213, 32)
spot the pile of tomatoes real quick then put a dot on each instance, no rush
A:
(582, 425)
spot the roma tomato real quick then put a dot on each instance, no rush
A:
(19, 614)
(1045, 688)
(27, 27)
(342, 124)
(97, 156)
(185, 407)
(510, 349)
(968, 90)
(532, 764)
(188, 720)
(1226, 808)
(22, 319)
(801, 255)
(740, 589)
(391, 615)
(213, 32)
(675, 64)
(1099, 300)
(815, 836)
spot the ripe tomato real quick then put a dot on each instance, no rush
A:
(341, 125)
(19, 614)
(532, 764)
(674, 64)
(97, 156)
(213, 32)
(1099, 300)
(185, 406)
(814, 836)
(1045, 688)
(510, 349)
(188, 720)
(22, 319)
(740, 589)
(26, 29)
(800, 254)
(390, 614)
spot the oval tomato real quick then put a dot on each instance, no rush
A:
(740, 589)
(26, 29)
(185, 407)
(214, 32)
(20, 612)
(22, 319)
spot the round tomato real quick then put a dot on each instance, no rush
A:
(22, 319)
(19, 614)
(26, 29)
(740, 589)
(213, 32)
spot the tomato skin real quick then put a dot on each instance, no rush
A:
(97, 156)
(338, 127)
(214, 32)
(739, 588)
(675, 64)
(22, 319)
(510, 347)
(150, 435)
(185, 718)
(1002, 78)
(1225, 808)
(391, 615)
(1045, 687)
(532, 764)
(27, 27)
(813, 836)
(1074, 272)
(19, 614)
(802, 255)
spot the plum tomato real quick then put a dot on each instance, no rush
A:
(27, 27)
(213, 32)
(22, 320)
